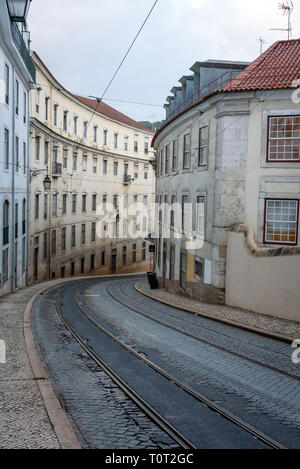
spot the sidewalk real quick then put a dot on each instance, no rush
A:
(25, 422)
(267, 325)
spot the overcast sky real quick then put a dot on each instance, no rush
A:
(83, 42)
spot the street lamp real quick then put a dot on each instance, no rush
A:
(18, 10)
(47, 183)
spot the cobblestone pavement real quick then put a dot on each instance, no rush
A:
(263, 397)
(103, 416)
(263, 322)
(23, 417)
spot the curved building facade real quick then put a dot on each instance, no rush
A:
(97, 211)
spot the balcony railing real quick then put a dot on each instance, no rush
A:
(212, 87)
(21, 46)
(56, 169)
(126, 179)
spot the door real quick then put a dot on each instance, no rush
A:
(36, 264)
(113, 263)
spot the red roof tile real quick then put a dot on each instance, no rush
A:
(112, 113)
(278, 67)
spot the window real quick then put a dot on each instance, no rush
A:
(284, 138)
(199, 268)
(6, 149)
(203, 145)
(145, 200)
(37, 206)
(135, 199)
(54, 242)
(281, 221)
(146, 147)
(125, 201)
(65, 158)
(175, 155)
(186, 151)
(24, 107)
(146, 168)
(105, 131)
(83, 233)
(136, 170)
(46, 152)
(144, 252)
(115, 201)
(6, 78)
(94, 202)
(45, 206)
(63, 238)
(64, 204)
(73, 236)
(167, 159)
(136, 146)
(65, 121)
(134, 253)
(104, 201)
(37, 147)
(103, 258)
(85, 126)
(24, 158)
(74, 161)
(84, 163)
(46, 108)
(55, 107)
(54, 204)
(125, 143)
(62, 271)
(82, 266)
(105, 166)
(5, 223)
(200, 216)
(184, 213)
(161, 162)
(17, 154)
(16, 220)
(115, 140)
(5, 265)
(172, 212)
(24, 215)
(74, 197)
(37, 100)
(45, 246)
(172, 263)
(115, 168)
(75, 125)
(95, 132)
(95, 162)
(17, 97)
(93, 231)
(183, 264)
(84, 203)
(72, 268)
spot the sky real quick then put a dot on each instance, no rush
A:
(83, 42)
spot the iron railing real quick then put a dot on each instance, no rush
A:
(216, 85)
(21, 46)
(56, 169)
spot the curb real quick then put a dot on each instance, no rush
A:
(272, 335)
(61, 425)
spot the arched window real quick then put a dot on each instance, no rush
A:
(24, 217)
(5, 223)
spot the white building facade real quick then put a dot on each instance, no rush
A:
(17, 76)
(96, 214)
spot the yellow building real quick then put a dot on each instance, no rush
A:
(91, 185)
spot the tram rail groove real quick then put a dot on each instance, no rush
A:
(204, 341)
(210, 404)
(149, 411)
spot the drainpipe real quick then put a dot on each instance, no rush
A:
(12, 231)
(28, 188)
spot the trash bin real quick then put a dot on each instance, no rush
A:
(152, 280)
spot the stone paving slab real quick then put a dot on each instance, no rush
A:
(276, 327)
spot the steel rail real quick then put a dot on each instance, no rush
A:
(152, 414)
(204, 341)
(201, 398)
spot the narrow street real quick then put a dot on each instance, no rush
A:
(201, 383)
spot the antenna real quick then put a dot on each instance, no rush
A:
(287, 6)
(262, 42)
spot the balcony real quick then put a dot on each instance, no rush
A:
(126, 179)
(56, 169)
(21, 46)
